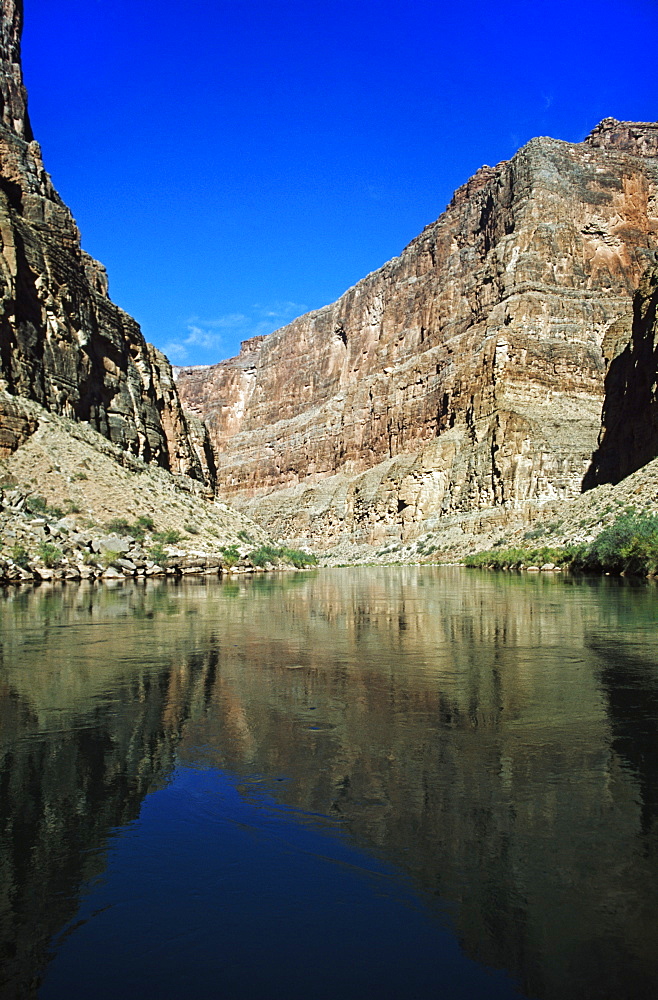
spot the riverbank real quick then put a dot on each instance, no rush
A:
(73, 506)
(628, 546)
(39, 543)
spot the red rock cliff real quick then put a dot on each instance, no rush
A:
(471, 364)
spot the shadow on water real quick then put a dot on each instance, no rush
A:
(491, 737)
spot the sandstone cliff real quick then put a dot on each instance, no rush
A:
(466, 373)
(63, 343)
(629, 435)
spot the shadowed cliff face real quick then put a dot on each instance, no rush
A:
(63, 343)
(629, 435)
(472, 363)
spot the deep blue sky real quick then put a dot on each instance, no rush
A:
(236, 162)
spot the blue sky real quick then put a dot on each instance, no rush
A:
(234, 163)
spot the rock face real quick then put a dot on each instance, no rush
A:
(63, 343)
(629, 435)
(466, 373)
(16, 425)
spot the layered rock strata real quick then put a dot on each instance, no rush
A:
(466, 373)
(63, 343)
(629, 433)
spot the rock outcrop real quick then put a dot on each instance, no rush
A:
(463, 375)
(63, 343)
(629, 435)
(16, 424)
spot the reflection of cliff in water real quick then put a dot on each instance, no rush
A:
(455, 723)
(83, 738)
(459, 726)
(632, 688)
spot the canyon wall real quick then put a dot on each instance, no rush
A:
(466, 374)
(63, 343)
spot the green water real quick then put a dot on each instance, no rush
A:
(390, 782)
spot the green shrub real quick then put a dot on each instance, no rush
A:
(49, 554)
(513, 558)
(272, 554)
(159, 556)
(230, 555)
(136, 529)
(168, 537)
(109, 557)
(265, 554)
(20, 555)
(118, 525)
(629, 545)
(36, 505)
(534, 533)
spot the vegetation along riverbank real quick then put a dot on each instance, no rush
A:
(629, 546)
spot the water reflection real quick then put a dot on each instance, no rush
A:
(493, 736)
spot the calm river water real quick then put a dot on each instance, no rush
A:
(383, 782)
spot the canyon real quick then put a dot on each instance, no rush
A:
(456, 392)
(489, 739)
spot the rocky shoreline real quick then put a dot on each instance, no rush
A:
(44, 546)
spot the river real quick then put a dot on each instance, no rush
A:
(387, 782)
